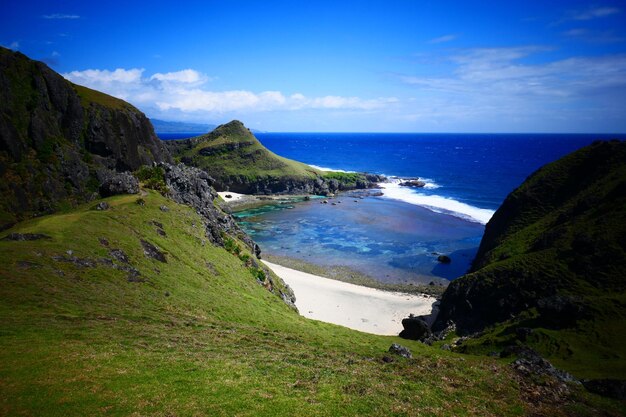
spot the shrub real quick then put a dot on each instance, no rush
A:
(153, 178)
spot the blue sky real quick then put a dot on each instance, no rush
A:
(380, 66)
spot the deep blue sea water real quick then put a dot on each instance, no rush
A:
(396, 237)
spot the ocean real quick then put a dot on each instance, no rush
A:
(398, 236)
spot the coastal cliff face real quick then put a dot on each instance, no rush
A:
(238, 162)
(553, 257)
(60, 141)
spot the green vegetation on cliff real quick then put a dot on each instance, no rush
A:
(236, 159)
(58, 140)
(231, 150)
(552, 260)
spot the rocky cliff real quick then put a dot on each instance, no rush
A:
(557, 241)
(238, 162)
(59, 142)
(549, 273)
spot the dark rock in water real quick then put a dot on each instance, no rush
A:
(413, 183)
(114, 183)
(444, 259)
(400, 350)
(26, 236)
(613, 388)
(103, 205)
(415, 328)
(151, 251)
(228, 196)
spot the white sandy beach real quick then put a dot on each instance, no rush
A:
(233, 196)
(361, 308)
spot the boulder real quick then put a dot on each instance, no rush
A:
(114, 183)
(103, 205)
(400, 351)
(415, 328)
(529, 362)
(613, 388)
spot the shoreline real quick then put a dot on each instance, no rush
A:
(357, 307)
(240, 202)
(351, 276)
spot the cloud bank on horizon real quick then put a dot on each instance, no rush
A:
(184, 91)
(450, 67)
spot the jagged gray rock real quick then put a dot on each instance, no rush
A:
(114, 183)
(400, 350)
(152, 251)
(193, 187)
(26, 236)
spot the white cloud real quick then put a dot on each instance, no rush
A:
(594, 13)
(185, 92)
(187, 76)
(60, 16)
(510, 86)
(442, 39)
(105, 77)
(496, 71)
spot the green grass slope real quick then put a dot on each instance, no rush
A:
(236, 159)
(232, 150)
(553, 259)
(90, 325)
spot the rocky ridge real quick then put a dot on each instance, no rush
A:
(59, 142)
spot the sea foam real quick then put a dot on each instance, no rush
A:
(329, 169)
(436, 203)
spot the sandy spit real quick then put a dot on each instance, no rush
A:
(360, 308)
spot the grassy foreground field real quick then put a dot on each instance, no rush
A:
(90, 325)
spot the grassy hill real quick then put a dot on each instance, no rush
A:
(236, 159)
(90, 325)
(550, 271)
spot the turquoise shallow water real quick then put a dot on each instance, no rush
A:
(391, 241)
